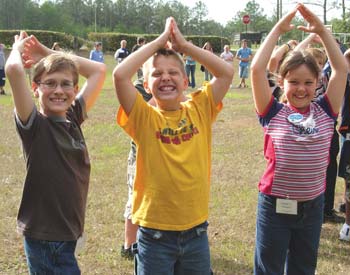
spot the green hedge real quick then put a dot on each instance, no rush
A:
(66, 41)
(111, 41)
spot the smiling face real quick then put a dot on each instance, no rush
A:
(166, 80)
(55, 101)
(299, 86)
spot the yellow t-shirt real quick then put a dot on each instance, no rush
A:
(171, 188)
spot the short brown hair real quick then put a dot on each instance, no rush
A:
(163, 52)
(56, 62)
(295, 59)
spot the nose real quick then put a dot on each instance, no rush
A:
(165, 77)
(58, 88)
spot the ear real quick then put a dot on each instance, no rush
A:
(76, 89)
(186, 82)
(35, 88)
(145, 85)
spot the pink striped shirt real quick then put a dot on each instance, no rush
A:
(296, 147)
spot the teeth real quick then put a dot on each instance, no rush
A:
(58, 99)
(167, 88)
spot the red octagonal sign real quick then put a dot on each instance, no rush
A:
(246, 19)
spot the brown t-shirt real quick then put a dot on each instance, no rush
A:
(58, 170)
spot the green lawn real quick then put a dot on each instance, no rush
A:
(238, 163)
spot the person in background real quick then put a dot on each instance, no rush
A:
(190, 66)
(227, 56)
(96, 54)
(344, 162)
(207, 75)
(2, 69)
(122, 52)
(56, 47)
(139, 43)
(244, 55)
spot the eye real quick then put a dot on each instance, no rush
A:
(173, 72)
(292, 82)
(67, 84)
(50, 84)
(156, 74)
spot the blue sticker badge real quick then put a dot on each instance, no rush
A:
(295, 118)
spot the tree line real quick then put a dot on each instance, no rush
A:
(81, 17)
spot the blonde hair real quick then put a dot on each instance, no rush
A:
(56, 62)
(162, 52)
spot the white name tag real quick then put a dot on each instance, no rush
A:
(284, 206)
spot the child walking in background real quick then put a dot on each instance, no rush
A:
(52, 210)
(297, 140)
(171, 188)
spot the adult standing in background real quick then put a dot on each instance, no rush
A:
(96, 54)
(227, 56)
(122, 52)
(244, 55)
(190, 66)
(2, 69)
(207, 75)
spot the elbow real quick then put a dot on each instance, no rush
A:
(117, 76)
(13, 68)
(254, 68)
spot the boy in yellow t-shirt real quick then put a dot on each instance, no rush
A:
(171, 188)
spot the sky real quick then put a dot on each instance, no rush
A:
(223, 11)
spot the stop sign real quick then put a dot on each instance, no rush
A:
(246, 19)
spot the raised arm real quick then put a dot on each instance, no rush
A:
(94, 72)
(260, 86)
(123, 73)
(15, 72)
(336, 85)
(221, 70)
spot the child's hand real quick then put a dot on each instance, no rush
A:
(163, 39)
(284, 24)
(33, 52)
(314, 23)
(20, 41)
(178, 41)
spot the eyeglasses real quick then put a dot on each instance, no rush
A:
(52, 85)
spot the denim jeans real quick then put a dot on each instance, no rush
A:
(162, 252)
(207, 75)
(287, 241)
(190, 70)
(46, 257)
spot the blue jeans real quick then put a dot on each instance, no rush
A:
(46, 257)
(207, 75)
(190, 70)
(287, 241)
(162, 252)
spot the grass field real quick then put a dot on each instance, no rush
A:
(238, 163)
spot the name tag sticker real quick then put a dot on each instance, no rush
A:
(284, 206)
(295, 118)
